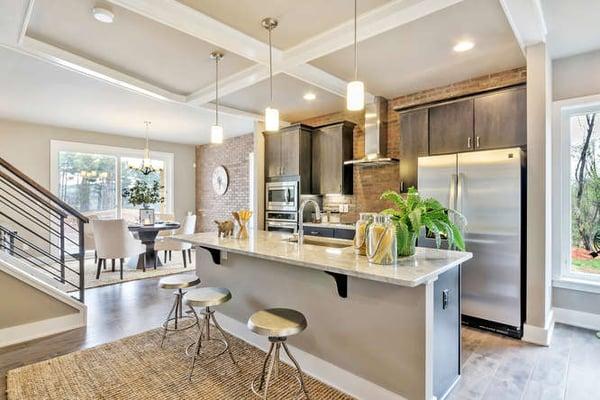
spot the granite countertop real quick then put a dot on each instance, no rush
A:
(425, 266)
(331, 225)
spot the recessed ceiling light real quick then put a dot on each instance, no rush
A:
(103, 15)
(464, 45)
(310, 96)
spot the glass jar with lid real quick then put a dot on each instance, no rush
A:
(360, 237)
(381, 241)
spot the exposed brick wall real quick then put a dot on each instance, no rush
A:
(233, 155)
(370, 182)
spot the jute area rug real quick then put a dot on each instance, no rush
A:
(137, 368)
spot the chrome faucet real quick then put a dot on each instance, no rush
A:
(301, 218)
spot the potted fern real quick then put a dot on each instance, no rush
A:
(412, 213)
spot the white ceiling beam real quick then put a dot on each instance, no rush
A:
(26, 20)
(526, 19)
(64, 59)
(294, 61)
(188, 20)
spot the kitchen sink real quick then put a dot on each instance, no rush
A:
(324, 242)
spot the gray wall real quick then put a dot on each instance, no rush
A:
(22, 304)
(576, 76)
(27, 146)
(576, 300)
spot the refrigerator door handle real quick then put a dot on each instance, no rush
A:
(459, 193)
(452, 192)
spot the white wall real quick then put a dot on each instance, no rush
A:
(27, 146)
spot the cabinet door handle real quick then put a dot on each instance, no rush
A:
(477, 141)
(401, 186)
(445, 298)
(469, 144)
(313, 233)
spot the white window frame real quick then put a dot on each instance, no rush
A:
(56, 146)
(563, 275)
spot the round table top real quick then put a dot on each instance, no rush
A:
(162, 226)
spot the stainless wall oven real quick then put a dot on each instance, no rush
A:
(282, 196)
(282, 221)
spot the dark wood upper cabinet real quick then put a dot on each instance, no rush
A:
(414, 143)
(501, 119)
(332, 145)
(288, 154)
(451, 127)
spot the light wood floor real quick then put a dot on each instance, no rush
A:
(494, 367)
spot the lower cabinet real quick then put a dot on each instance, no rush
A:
(344, 234)
(316, 231)
(446, 331)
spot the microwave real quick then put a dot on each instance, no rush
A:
(282, 196)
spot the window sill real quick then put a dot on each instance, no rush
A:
(581, 285)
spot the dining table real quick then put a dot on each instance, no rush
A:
(147, 235)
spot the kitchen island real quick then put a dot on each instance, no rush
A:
(375, 332)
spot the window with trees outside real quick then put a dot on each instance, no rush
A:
(91, 178)
(584, 174)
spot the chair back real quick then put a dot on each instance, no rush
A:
(164, 218)
(189, 225)
(88, 233)
(113, 239)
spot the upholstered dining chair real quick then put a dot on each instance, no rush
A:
(88, 236)
(167, 244)
(113, 240)
(166, 233)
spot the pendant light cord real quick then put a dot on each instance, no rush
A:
(270, 68)
(217, 90)
(355, 44)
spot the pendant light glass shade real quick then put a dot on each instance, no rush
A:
(355, 96)
(216, 134)
(271, 119)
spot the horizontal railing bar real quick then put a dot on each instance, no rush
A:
(36, 222)
(45, 192)
(50, 218)
(29, 260)
(32, 194)
(45, 254)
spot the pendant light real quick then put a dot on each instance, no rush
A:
(147, 162)
(271, 114)
(147, 166)
(216, 131)
(355, 92)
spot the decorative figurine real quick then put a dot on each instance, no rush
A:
(225, 228)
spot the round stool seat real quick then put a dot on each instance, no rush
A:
(207, 297)
(178, 281)
(277, 322)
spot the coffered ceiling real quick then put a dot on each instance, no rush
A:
(157, 51)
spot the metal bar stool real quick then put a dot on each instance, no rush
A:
(207, 297)
(277, 324)
(175, 319)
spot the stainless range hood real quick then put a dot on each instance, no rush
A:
(375, 135)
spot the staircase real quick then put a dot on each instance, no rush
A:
(40, 234)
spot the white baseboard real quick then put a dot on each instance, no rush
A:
(35, 330)
(538, 335)
(322, 370)
(577, 318)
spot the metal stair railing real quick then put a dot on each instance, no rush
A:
(41, 230)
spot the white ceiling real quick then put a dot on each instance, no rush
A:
(573, 26)
(80, 73)
(288, 92)
(419, 55)
(133, 44)
(36, 91)
(298, 20)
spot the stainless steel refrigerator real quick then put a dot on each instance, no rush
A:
(487, 188)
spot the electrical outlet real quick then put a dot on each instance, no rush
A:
(345, 208)
(341, 208)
